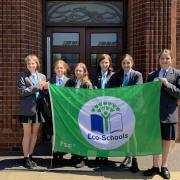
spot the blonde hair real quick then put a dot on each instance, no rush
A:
(34, 58)
(64, 64)
(165, 51)
(85, 77)
(101, 58)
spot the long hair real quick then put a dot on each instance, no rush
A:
(102, 57)
(85, 77)
(125, 56)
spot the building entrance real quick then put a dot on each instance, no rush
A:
(85, 45)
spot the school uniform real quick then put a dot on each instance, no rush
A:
(30, 94)
(118, 79)
(168, 102)
(101, 81)
(61, 82)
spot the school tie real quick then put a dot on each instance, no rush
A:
(125, 80)
(103, 81)
(36, 82)
(60, 82)
(164, 73)
(35, 79)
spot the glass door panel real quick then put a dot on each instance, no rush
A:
(100, 41)
(66, 39)
(67, 44)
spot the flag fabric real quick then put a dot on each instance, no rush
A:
(107, 122)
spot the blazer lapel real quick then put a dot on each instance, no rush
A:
(30, 78)
(38, 76)
(99, 80)
(64, 80)
(53, 80)
(156, 74)
(131, 77)
(169, 74)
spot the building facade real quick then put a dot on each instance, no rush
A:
(79, 31)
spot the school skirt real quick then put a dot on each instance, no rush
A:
(37, 118)
(169, 131)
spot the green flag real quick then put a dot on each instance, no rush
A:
(109, 122)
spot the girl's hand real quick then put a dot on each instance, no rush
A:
(164, 81)
(42, 84)
(46, 85)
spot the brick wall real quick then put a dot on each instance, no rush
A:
(149, 31)
(151, 28)
(20, 34)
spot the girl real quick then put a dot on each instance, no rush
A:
(170, 92)
(126, 76)
(30, 84)
(81, 76)
(80, 80)
(60, 79)
(104, 73)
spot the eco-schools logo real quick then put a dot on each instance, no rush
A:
(106, 122)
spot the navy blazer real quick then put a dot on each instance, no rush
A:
(169, 95)
(27, 90)
(117, 79)
(97, 80)
(72, 83)
(66, 81)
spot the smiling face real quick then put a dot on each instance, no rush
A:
(127, 64)
(79, 72)
(31, 65)
(104, 64)
(165, 60)
(59, 70)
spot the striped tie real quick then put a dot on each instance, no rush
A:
(60, 82)
(125, 81)
(164, 73)
(36, 82)
(103, 81)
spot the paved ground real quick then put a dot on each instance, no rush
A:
(11, 168)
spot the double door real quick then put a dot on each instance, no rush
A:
(74, 45)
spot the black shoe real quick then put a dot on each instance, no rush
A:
(104, 159)
(98, 159)
(101, 159)
(27, 163)
(32, 161)
(125, 162)
(165, 173)
(151, 172)
(57, 158)
(134, 167)
(80, 164)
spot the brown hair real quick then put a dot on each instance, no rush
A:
(129, 57)
(85, 78)
(34, 58)
(64, 64)
(165, 51)
(102, 57)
